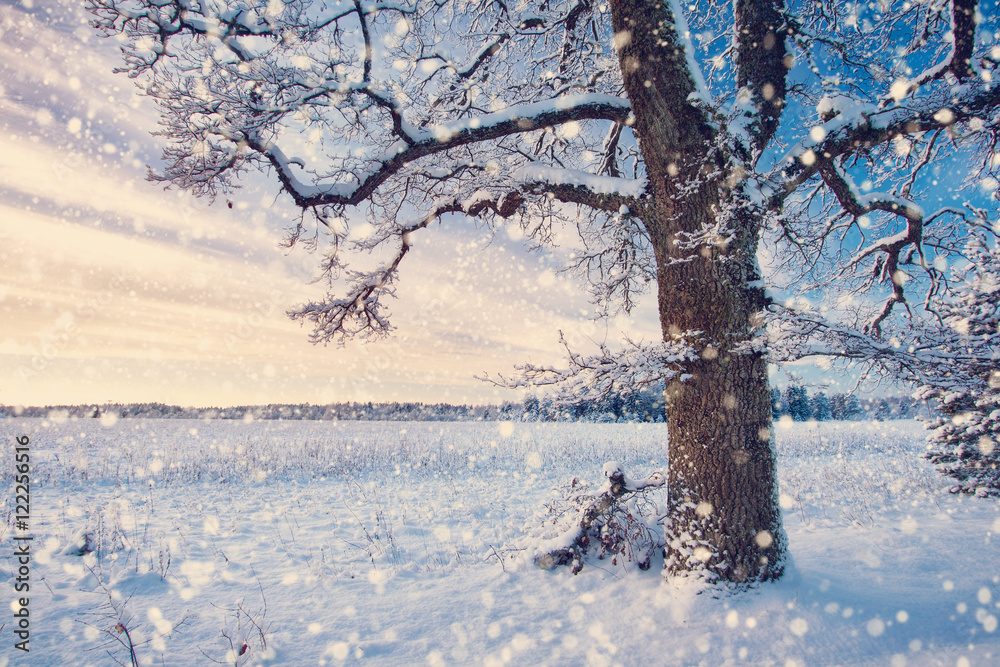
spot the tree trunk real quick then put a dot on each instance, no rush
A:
(723, 497)
(723, 515)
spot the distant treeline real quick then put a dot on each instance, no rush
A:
(796, 403)
(330, 412)
(643, 406)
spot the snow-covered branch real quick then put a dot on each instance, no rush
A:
(606, 193)
(444, 137)
(955, 349)
(635, 367)
(859, 128)
(606, 521)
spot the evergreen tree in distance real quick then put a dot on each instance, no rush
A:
(797, 400)
(820, 407)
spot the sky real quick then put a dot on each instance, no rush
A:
(115, 290)
(112, 289)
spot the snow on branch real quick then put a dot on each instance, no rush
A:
(857, 128)
(858, 204)
(927, 353)
(626, 371)
(447, 136)
(608, 193)
(701, 92)
(542, 175)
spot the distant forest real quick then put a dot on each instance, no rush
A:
(644, 406)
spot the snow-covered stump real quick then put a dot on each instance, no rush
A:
(592, 518)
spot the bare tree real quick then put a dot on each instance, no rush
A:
(675, 138)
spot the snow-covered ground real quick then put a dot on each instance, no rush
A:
(390, 544)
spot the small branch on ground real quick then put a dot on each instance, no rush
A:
(607, 520)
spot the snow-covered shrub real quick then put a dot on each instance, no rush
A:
(617, 520)
(964, 439)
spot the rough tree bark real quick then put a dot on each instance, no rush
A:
(723, 503)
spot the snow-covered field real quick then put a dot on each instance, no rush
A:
(390, 544)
